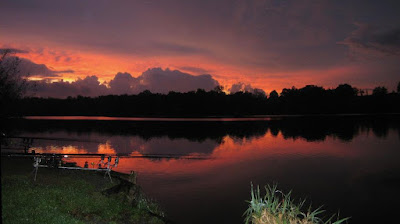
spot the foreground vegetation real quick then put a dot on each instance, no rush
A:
(279, 208)
(65, 196)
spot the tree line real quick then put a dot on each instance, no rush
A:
(310, 99)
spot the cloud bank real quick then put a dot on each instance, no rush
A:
(12, 51)
(28, 68)
(155, 80)
(369, 41)
(89, 86)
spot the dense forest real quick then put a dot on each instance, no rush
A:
(307, 100)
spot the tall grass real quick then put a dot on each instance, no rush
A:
(279, 208)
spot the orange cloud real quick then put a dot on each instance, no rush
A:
(105, 66)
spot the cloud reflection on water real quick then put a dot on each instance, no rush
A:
(340, 161)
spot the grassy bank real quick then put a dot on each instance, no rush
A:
(68, 196)
(279, 208)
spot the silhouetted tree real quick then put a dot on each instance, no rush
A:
(312, 91)
(345, 90)
(259, 93)
(145, 93)
(200, 91)
(398, 87)
(219, 89)
(273, 95)
(379, 91)
(289, 93)
(12, 85)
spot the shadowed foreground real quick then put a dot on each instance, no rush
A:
(69, 196)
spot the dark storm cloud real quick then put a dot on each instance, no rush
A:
(156, 80)
(123, 83)
(194, 69)
(12, 51)
(64, 71)
(368, 40)
(89, 86)
(163, 81)
(255, 33)
(27, 68)
(390, 38)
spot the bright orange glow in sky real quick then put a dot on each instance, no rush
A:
(270, 45)
(105, 66)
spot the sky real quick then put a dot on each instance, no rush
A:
(97, 47)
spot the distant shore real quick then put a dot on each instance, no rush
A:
(194, 118)
(310, 99)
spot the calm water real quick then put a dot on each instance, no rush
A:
(347, 163)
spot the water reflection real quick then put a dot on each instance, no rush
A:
(343, 162)
(192, 137)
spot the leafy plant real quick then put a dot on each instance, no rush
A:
(279, 208)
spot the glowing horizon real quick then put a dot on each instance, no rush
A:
(269, 45)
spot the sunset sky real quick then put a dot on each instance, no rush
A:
(120, 47)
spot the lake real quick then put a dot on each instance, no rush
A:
(348, 163)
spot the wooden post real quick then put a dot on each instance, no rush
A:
(132, 177)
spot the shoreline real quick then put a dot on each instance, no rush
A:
(194, 118)
(74, 196)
